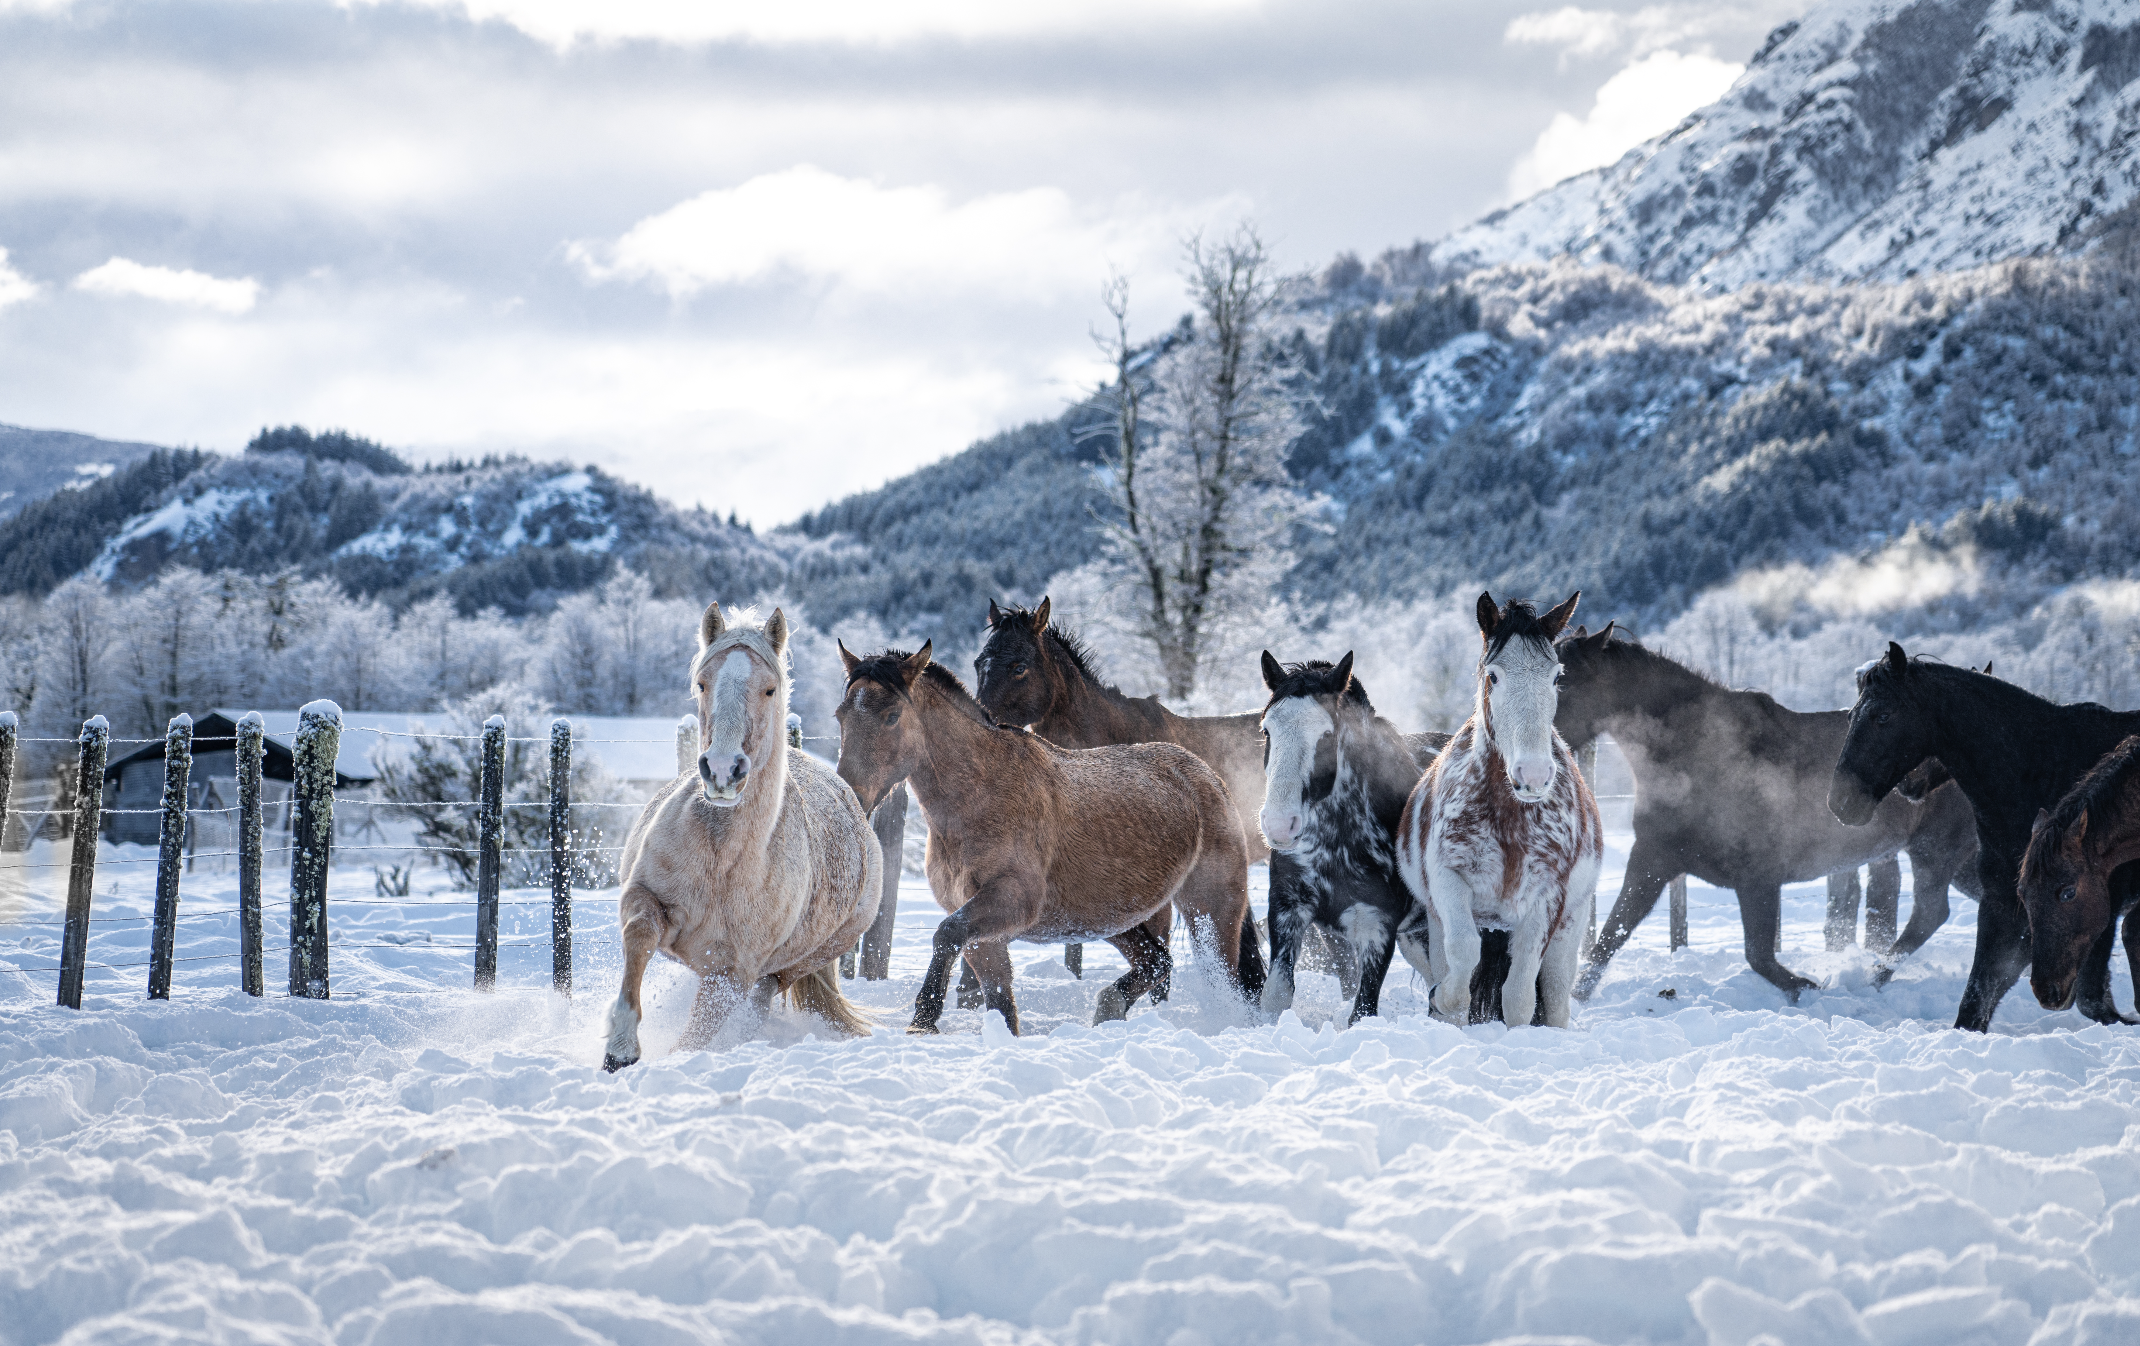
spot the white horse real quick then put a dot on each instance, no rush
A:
(758, 874)
(1503, 832)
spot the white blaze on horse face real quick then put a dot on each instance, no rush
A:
(1522, 694)
(1295, 726)
(728, 714)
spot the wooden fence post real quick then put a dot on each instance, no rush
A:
(561, 855)
(1679, 912)
(170, 844)
(82, 871)
(490, 836)
(687, 746)
(318, 743)
(890, 824)
(252, 735)
(7, 778)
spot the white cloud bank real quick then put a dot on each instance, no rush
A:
(123, 278)
(14, 286)
(563, 22)
(806, 224)
(1646, 99)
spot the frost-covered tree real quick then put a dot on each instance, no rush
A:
(1203, 508)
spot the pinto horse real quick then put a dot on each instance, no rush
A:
(1503, 831)
(758, 872)
(1034, 842)
(2078, 876)
(1732, 788)
(2012, 753)
(1336, 779)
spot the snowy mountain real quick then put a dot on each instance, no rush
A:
(1874, 139)
(35, 463)
(505, 533)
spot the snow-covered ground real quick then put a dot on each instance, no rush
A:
(413, 1162)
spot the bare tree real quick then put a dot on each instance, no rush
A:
(1203, 506)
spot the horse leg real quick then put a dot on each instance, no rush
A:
(1161, 928)
(1451, 897)
(1883, 900)
(716, 999)
(1649, 869)
(1290, 918)
(1761, 918)
(1249, 960)
(2132, 949)
(1374, 940)
(1526, 957)
(1929, 877)
(1556, 973)
(999, 909)
(2093, 997)
(642, 935)
(1841, 928)
(1151, 963)
(970, 996)
(2002, 953)
(993, 962)
(1213, 899)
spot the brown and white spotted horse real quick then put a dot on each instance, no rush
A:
(1503, 832)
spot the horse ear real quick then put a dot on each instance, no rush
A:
(2043, 820)
(847, 658)
(1488, 615)
(1272, 673)
(776, 630)
(1605, 636)
(1896, 659)
(710, 625)
(918, 660)
(1558, 617)
(1987, 667)
(995, 614)
(1040, 616)
(2079, 831)
(1344, 673)
(1581, 633)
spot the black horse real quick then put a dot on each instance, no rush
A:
(2012, 753)
(1732, 788)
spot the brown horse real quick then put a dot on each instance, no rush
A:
(2070, 884)
(1035, 842)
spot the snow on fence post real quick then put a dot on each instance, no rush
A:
(561, 855)
(82, 871)
(794, 731)
(687, 746)
(319, 742)
(890, 824)
(1679, 912)
(490, 836)
(170, 843)
(252, 736)
(1586, 757)
(7, 774)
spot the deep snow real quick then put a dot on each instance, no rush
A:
(413, 1162)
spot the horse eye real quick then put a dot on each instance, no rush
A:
(1019, 670)
(2068, 893)
(892, 718)
(1881, 718)
(1492, 677)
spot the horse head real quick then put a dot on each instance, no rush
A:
(1300, 726)
(740, 681)
(880, 733)
(2065, 882)
(1016, 679)
(1519, 690)
(1889, 735)
(1584, 674)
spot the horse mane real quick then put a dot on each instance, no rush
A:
(1518, 621)
(2105, 781)
(1315, 677)
(1068, 644)
(754, 638)
(887, 668)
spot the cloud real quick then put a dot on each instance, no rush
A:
(1646, 99)
(564, 22)
(1581, 34)
(121, 277)
(805, 223)
(14, 286)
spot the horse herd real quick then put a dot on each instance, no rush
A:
(1061, 810)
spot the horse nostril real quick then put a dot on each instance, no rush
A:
(739, 768)
(705, 770)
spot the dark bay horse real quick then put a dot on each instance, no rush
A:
(1032, 672)
(2012, 753)
(1035, 842)
(1733, 788)
(2078, 875)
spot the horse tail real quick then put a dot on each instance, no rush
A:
(819, 993)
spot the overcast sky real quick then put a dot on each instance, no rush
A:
(753, 256)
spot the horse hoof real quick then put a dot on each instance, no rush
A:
(923, 1030)
(1882, 975)
(612, 1064)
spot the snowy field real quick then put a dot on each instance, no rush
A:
(416, 1163)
